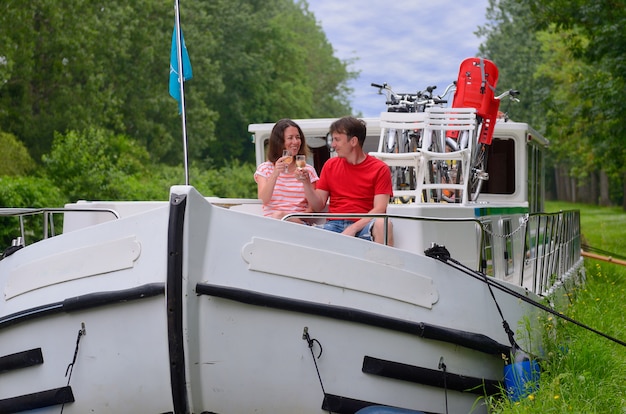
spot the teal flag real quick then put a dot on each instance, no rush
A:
(187, 74)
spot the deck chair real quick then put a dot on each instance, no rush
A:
(434, 152)
(399, 121)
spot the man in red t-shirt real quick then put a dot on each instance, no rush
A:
(355, 183)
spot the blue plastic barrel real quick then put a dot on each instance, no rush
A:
(521, 379)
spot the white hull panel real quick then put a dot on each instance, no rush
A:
(306, 277)
(203, 309)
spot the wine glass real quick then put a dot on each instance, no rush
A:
(288, 160)
(300, 161)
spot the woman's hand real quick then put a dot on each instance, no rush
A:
(302, 175)
(280, 166)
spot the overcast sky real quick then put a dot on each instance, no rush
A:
(409, 44)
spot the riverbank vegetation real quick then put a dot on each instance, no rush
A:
(85, 114)
(75, 65)
(583, 372)
(73, 70)
(567, 59)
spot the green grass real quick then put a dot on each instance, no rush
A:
(583, 372)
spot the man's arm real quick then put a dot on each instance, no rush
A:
(380, 207)
(321, 200)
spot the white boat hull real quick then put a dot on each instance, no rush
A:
(210, 315)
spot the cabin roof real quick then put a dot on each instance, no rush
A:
(318, 127)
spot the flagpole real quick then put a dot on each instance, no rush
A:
(181, 82)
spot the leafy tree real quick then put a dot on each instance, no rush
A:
(594, 34)
(84, 86)
(74, 65)
(569, 68)
(272, 55)
(95, 164)
(569, 127)
(26, 192)
(517, 52)
(14, 157)
(233, 180)
(327, 75)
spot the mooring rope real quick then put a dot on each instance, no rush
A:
(442, 367)
(310, 342)
(442, 254)
(603, 255)
(592, 249)
(445, 258)
(70, 368)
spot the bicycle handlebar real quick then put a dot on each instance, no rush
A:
(511, 93)
(412, 101)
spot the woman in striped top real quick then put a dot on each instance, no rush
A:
(282, 187)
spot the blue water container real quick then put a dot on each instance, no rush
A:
(521, 379)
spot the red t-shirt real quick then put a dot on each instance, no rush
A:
(352, 187)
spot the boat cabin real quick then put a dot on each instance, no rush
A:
(514, 145)
(507, 221)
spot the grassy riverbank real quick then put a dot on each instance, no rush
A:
(584, 372)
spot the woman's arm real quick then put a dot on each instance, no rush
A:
(265, 186)
(312, 197)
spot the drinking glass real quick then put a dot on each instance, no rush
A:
(288, 160)
(300, 161)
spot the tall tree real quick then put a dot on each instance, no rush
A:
(517, 52)
(594, 32)
(14, 157)
(275, 62)
(74, 64)
(568, 125)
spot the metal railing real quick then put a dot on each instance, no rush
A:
(48, 226)
(548, 245)
(553, 249)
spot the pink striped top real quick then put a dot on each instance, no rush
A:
(288, 192)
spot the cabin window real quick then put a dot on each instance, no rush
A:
(501, 167)
(536, 178)
(508, 247)
(320, 156)
(486, 260)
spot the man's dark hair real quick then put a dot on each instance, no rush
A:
(350, 126)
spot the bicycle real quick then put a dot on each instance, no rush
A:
(513, 97)
(481, 141)
(440, 171)
(397, 141)
(479, 174)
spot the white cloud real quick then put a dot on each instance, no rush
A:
(410, 44)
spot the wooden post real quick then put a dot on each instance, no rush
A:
(603, 258)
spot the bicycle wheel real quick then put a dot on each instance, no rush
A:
(412, 143)
(478, 173)
(407, 179)
(393, 141)
(442, 171)
(477, 167)
(394, 145)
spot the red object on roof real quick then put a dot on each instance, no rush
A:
(475, 88)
